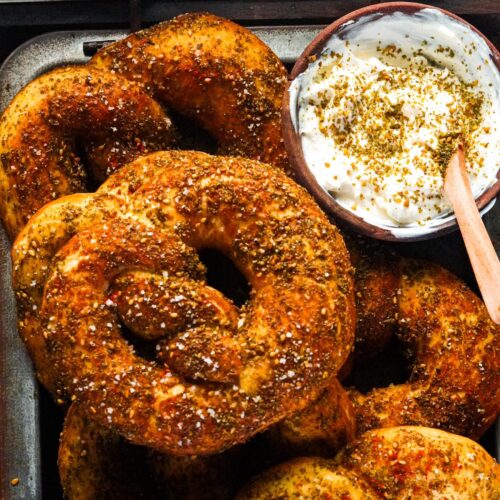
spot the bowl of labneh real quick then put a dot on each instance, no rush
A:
(377, 104)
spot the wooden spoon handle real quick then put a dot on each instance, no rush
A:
(482, 254)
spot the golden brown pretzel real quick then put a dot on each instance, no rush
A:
(392, 463)
(214, 71)
(207, 68)
(43, 128)
(452, 345)
(39, 241)
(283, 244)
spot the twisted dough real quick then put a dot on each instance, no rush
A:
(285, 356)
(452, 345)
(455, 389)
(214, 71)
(70, 128)
(400, 462)
(51, 119)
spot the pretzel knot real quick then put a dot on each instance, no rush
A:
(194, 323)
(214, 374)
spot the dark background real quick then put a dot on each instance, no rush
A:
(22, 20)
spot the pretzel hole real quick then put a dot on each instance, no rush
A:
(192, 136)
(388, 367)
(144, 348)
(223, 275)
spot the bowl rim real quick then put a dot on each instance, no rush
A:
(294, 148)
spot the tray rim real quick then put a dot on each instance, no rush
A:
(22, 57)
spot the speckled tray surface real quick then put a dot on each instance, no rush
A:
(21, 433)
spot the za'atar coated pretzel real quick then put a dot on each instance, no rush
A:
(281, 242)
(69, 129)
(452, 345)
(394, 463)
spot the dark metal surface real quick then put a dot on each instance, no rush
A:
(19, 404)
(257, 11)
(19, 431)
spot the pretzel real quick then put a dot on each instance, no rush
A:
(452, 345)
(213, 71)
(284, 355)
(206, 68)
(113, 118)
(400, 462)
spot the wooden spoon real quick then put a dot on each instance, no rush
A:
(481, 252)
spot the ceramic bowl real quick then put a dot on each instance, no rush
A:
(294, 147)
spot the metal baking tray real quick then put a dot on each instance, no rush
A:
(21, 408)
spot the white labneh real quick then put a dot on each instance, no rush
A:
(381, 109)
